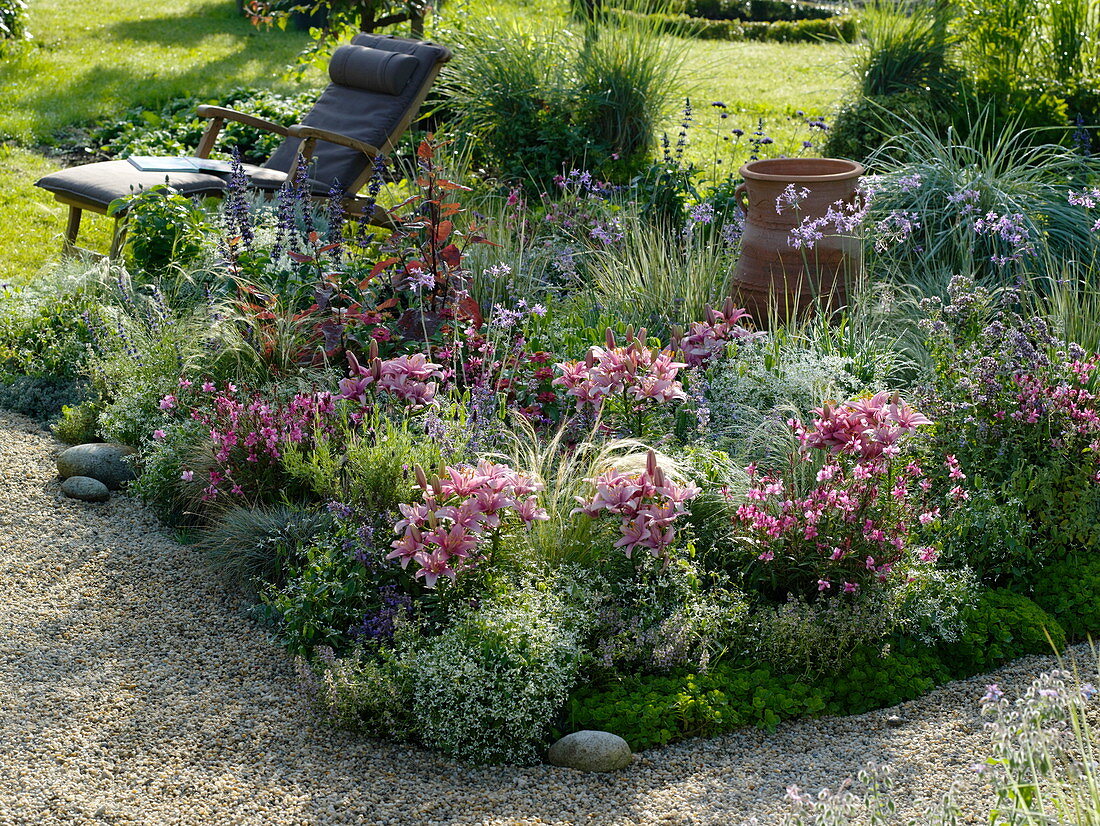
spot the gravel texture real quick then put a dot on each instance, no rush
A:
(133, 691)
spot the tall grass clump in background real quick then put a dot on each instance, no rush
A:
(904, 71)
(905, 47)
(626, 84)
(1072, 48)
(538, 100)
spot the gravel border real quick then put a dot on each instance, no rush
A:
(133, 691)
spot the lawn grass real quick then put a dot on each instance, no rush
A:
(769, 82)
(31, 221)
(88, 60)
(91, 60)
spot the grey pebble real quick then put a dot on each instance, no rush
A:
(85, 489)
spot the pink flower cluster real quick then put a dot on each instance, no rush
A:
(635, 372)
(849, 530)
(867, 428)
(406, 378)
(248, 433)
(463, 509)
(706, 339)
(648, 504)
(865, 512)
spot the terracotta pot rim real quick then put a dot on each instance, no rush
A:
(853, 170)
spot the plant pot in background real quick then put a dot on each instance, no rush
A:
(772, 276)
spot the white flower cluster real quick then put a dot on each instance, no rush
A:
(489, 687)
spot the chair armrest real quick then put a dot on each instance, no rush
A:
(219, 115)
(222, 113)
(312, 133)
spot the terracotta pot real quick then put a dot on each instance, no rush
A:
(772, 273)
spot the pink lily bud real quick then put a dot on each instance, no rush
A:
(353, 363)
(376, 369)
(373, 351)
(609, 337)
(421, 477)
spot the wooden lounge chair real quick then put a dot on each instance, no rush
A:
(377, 86)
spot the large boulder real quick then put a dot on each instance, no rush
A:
(98, 460)
(86, 489)
(591, 751)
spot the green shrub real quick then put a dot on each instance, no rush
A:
(174, 129)
(77, 423)
(489, 688)
(42, 398)
(1062, 503)
(841, 28)
(882, 676)
(368, 468)
(650, 711)
(761, 11)
(1002, 626)
(989, 536)
(163, 228)
(866, 123)
(1069, 590)
(42, 331)
(361, 691)
(323, 602)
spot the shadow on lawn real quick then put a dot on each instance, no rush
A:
(215, 17)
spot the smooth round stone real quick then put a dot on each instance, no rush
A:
(85, 489)
(98, 460)
(591, 751)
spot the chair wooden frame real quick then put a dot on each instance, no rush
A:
(307, 137)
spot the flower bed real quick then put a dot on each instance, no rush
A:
(488, 497)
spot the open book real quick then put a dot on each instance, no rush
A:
(152, 163)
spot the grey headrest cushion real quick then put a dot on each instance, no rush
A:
(375, 70)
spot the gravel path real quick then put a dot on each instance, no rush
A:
(132, 691)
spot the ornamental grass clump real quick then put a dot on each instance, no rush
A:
(852, 521)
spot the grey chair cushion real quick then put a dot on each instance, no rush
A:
(373, 70)
(372, 117)
(101, 183)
